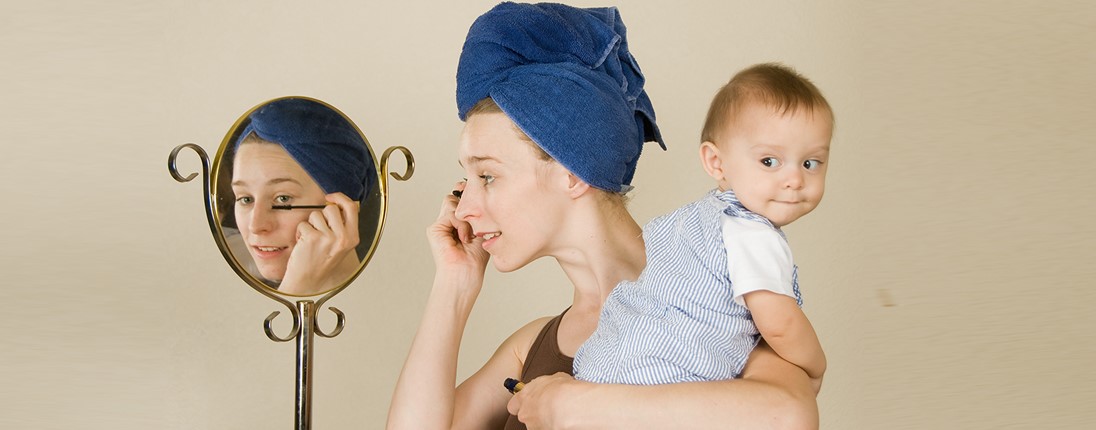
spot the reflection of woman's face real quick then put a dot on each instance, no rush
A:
(264, 175)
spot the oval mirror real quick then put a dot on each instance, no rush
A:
(297, 198)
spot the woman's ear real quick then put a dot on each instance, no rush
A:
(709, 158)
(576, 187)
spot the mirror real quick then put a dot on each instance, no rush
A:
(278, 219)
(296, 200)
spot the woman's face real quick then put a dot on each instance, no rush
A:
(264, 175)
(513, 199)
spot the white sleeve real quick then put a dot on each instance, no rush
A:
(758, 258)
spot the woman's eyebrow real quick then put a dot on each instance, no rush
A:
(240, 183)
(281, 180)
(478, 160)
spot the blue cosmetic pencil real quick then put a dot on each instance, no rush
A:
(513, 385)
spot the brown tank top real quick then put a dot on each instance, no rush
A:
(544, 358)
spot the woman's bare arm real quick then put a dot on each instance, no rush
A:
(425, 395)
(771, 394)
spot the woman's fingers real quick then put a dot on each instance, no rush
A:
(335, 227)
(348, 210)
(449, 233)
(447, 217)
(336, 222)
(323, 239)
(305, 232)
(464, 229)
(536, 404)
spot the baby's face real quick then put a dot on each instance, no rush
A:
(776, 164)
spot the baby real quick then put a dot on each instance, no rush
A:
(719, 270)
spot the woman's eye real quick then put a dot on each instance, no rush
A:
(245, 200)
(770, 162)
(487, 179)
(812, 164)
(282, 199)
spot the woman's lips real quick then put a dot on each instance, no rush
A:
(489, 238)
(268, 251)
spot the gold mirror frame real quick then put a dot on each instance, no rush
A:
(225, 155)
(303, 311)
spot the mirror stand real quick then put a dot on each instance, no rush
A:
(305, 327)
(305, 323)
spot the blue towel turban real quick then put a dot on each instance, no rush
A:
(565, 77)
(321, 140)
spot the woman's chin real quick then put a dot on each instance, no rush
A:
(506, 266)
(272, 275)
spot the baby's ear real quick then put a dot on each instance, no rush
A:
(709, 158)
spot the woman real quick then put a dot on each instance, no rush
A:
(296, 152)
(556, 117)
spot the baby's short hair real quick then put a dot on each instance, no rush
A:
(771, 84)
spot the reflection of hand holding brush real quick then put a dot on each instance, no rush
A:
(306, 206)
(291, 207)
(513, 385)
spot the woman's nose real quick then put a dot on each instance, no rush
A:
(468, 204)
(262, 219)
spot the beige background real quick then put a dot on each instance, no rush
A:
(948, 270)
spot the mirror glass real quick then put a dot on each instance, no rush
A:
(297, 197)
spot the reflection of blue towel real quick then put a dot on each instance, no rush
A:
(321, 140)
(565, 76)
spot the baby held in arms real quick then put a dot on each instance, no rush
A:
(719, 270)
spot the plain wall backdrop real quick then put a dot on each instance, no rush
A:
(948, 270)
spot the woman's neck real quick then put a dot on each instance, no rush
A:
(603, 246)
(600, 246)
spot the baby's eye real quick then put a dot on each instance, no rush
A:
(487, 179)
(770, 162)
(245, 200)
(812, 164)
(282, 199)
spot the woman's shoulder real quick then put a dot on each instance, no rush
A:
(533, 328)
(521, 341)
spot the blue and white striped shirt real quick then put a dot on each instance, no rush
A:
(680, 320)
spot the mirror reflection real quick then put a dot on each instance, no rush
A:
(298, 196)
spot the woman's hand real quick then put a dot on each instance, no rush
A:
(323, 244)
(456, 250)
(538, 403)
(772, 394)
(425, 397)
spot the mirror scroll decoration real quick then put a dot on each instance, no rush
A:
(318, 174)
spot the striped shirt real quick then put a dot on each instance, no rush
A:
(683, 319)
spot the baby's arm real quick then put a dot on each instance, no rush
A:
(788, 331)
(762, 278)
